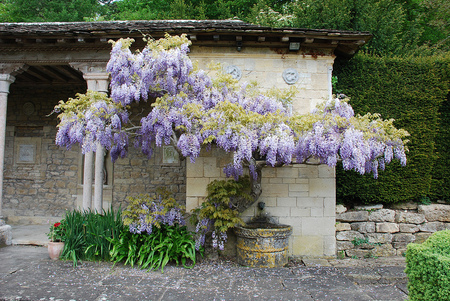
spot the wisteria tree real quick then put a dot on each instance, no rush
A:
(192, 110)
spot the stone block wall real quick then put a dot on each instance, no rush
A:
(43, 186)
(137, 174)
(380, 232)
(266, 67)
(302, 196)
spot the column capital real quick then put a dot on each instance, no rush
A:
(89, 67)
(5, 81)
(12, 69)
(7, 72)
(95, 74)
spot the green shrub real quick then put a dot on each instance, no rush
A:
(217, 213)
(155, 250)
(155, 234)
(428, 268)
(87, 234)
(145, 212)
(414, 92)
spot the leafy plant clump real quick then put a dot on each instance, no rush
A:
(218, 213)
(155, 234)
(87, 234)
(144, 212)
(155, 250)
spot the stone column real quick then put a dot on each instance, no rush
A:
(98, 186)
(97, 79)
(330, 82)
(87, 180)
(6, 79)
(98, 82)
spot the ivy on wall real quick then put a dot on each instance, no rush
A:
(413, 91)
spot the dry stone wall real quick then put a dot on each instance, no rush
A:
(378, 232)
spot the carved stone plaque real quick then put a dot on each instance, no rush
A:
(28, 108)
(170, 155)
(290, 76)
(235, 71)
(26, 153)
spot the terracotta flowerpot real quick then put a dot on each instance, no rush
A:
(55, 249)
(263, 245)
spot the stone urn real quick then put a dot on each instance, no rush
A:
(55, 249)
(263, 245)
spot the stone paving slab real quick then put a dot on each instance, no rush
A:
(26, 273)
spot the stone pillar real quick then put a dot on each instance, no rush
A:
(98, 190)
(5, 81)
(97, 79)
(330, 82)
(87, 180)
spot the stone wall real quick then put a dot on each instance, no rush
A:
(266, 67)
(139, 175)
(41, 184)
(302, 196)
(376, 231)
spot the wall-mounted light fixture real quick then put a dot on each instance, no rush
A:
(294, 46)
(239, 45)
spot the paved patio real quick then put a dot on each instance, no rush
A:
(27, 273)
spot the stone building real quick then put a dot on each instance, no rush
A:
(42, 63)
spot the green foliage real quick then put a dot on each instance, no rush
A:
(440, 182)
(218, 204)
(51, 10)
(398, 27)
(87, 234)
(154, 251)
(152, 207)
(434, 18)
(360, 241)
(414, 92)
(182, 9)
(428, 268)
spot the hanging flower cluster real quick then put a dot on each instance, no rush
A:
(193, 110)
(144, 212)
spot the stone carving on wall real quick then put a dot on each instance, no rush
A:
(235, 71)
(170, 155)
(290, 76)
(28, 108)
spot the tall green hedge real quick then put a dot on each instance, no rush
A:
(413, 91)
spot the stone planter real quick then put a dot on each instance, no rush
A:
(55, 249)
(263, 245)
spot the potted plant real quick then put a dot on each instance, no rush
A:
(56, 244)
